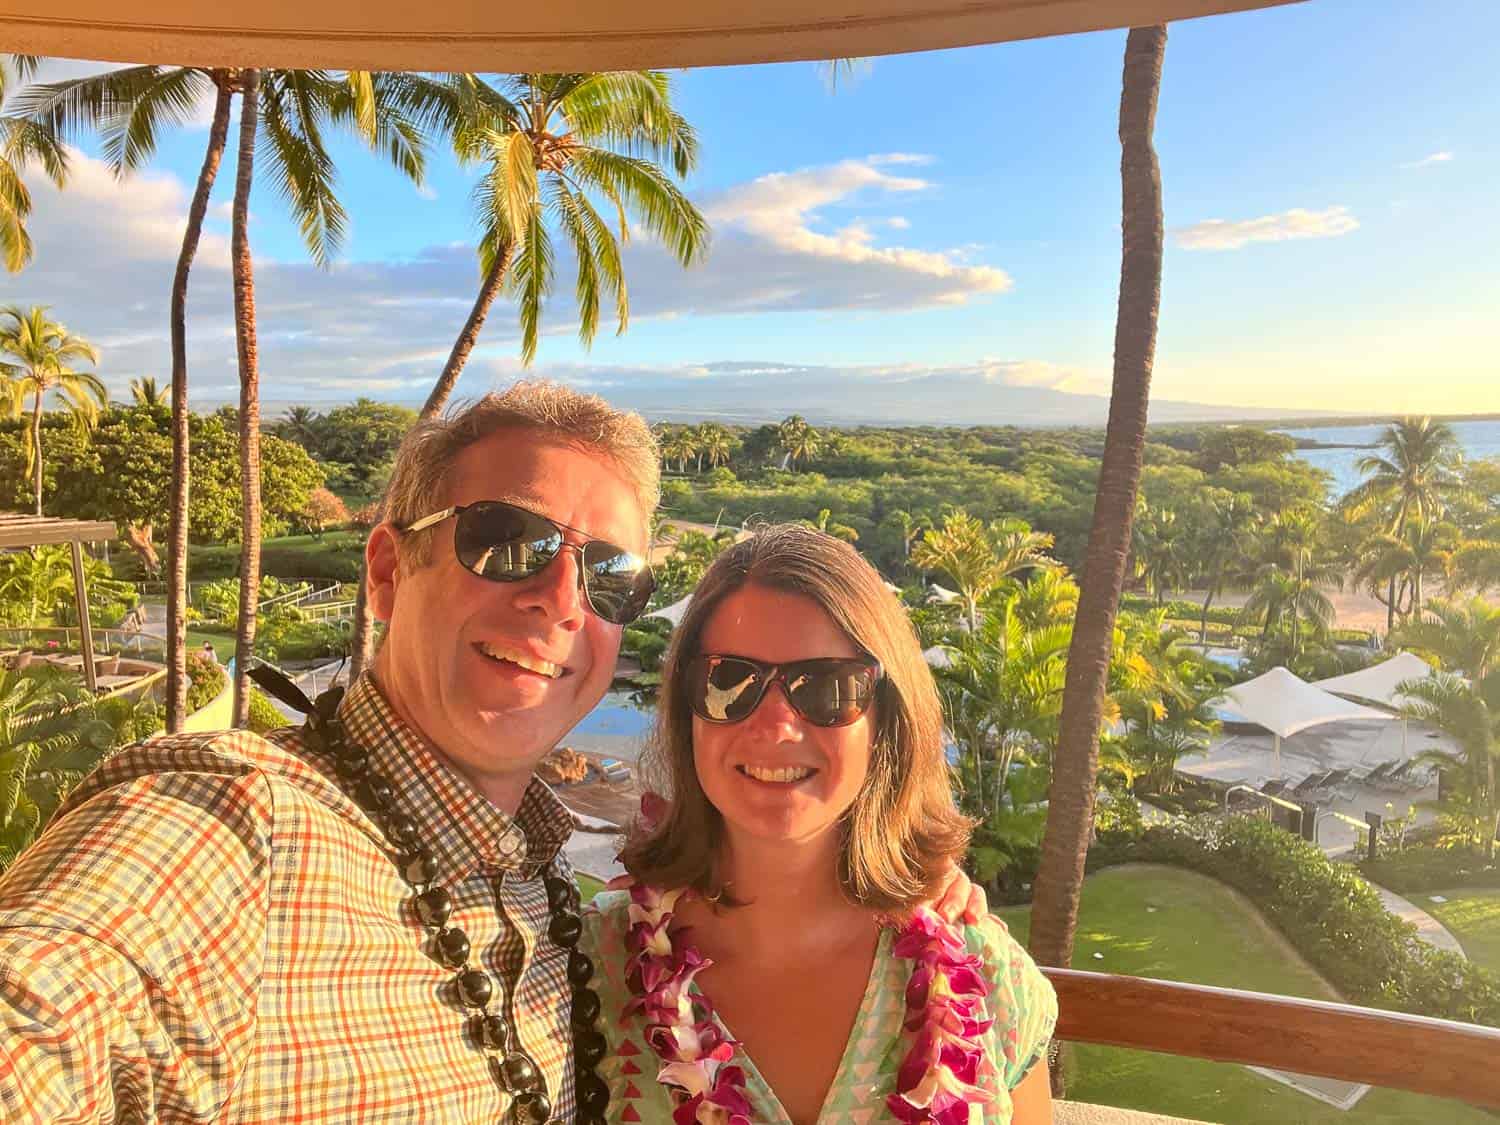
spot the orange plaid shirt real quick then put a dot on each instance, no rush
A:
(210, 930)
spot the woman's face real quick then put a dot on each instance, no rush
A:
(774, 627)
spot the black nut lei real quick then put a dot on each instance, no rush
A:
(512, 1067)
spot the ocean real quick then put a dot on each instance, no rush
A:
(1480, 440)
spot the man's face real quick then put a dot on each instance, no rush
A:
(444, 664)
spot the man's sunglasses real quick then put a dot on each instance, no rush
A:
(827, 691)
(505, 543)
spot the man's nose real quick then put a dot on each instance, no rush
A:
(557, 590)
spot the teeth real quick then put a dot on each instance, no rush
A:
(531, 664)
(796, 773)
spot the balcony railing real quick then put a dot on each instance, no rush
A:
(1416, 1053)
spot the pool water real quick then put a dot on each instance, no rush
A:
(616, 714)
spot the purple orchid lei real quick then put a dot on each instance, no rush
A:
(936, 1084)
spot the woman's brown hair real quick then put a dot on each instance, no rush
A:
(903, 831)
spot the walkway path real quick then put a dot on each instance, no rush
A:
(1429, 929)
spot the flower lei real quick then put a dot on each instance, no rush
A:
(939, 1079)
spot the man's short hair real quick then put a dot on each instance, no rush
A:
(538, 406)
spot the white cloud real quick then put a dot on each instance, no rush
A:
(899, 158)
(896, 222)
(106, 251)
(1232, 234)
(1433, 158)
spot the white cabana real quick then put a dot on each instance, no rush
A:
(938, 656)
(674, 612)
(1379, 682)
(1285, 704)
(942, 595)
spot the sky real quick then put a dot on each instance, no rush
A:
(935, 239)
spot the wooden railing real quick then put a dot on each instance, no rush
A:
(1426, 1056)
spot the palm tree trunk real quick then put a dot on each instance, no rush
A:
(361, 643)
(1070, 819)
(489, 289)
(1203, 627)
(177, 533)
(244, 334)
(36, 444)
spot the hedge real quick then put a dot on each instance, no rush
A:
(1417, 869)
(1331, 915)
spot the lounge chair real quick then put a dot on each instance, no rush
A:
(1333, 785)
(1309, 785)
(1275, 787)
(1376, 773)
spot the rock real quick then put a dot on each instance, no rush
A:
(563, 766)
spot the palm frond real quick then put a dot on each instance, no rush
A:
(565, 205)
(298, 162)
(654, 200)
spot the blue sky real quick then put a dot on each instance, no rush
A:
(945, 220)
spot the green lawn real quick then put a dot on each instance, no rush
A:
(588, 886)
(1177, 925)
(1474, 917)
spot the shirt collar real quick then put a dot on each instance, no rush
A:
(464, 830)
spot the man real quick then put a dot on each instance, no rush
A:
(213, 930)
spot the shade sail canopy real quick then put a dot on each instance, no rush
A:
(938, 656)
(563, 35)
(1284, 704)
(674, 612)
(1378, 683)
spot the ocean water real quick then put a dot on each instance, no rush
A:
(1480, 440)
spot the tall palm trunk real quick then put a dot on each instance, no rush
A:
(489, 289)
(1070, 818)
(36, 443)
(244, 334)
(177, 535)
(361, 643)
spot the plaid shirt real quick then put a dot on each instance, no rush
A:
(210, 930)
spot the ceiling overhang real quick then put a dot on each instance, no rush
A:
(561, 35)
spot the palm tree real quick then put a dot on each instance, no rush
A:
(132, 107)
(1422, 549)
(44, 351)
(1160, 547)
(299, 425)
(1475, 564)
(1471, 715)
(551, 143)
(979, 559)
(1294, 569)
(715, 443)
(1465, 639)
(145, 392)
(1070, 819)
(798, 440)
(1217, 546)
(1414, 478)
(22, 144)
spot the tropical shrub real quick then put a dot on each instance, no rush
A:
(263, 714)
(206, 679)
(1414, 870)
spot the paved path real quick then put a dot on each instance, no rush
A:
(1429, 929)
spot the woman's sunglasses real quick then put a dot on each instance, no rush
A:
(505, 543)
(827, 691)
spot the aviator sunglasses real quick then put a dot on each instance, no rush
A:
(828, 691)
(505, 543)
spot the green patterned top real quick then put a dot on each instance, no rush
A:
(1020, 999)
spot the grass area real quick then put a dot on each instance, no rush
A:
(588, 887)
(1177, 925)
(336, 554)
(223, 643)
(1473, 915)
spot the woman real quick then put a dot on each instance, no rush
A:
(768, 964)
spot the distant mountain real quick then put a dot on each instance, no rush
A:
(753, 393)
